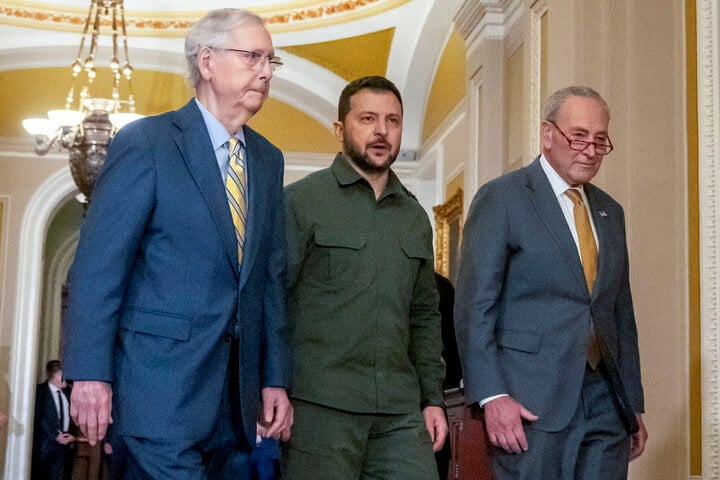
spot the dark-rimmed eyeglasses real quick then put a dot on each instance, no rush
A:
(256, 59)
(581, 145)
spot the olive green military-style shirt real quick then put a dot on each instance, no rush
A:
(362, 298)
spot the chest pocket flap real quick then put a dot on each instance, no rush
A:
(414, 248)
(517, 340)
(337, 239)
(342, 257)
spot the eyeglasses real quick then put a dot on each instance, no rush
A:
(256, 59)
(581, 145)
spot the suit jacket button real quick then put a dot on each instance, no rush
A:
(227, 337)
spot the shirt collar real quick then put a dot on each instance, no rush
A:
(218, 133)
(346, 175)
(558, 184)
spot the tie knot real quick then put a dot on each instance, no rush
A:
(233, 143)
(574, 195)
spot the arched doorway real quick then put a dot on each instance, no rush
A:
(55, 192)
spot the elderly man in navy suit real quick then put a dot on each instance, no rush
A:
(544, 315)
(176, 328)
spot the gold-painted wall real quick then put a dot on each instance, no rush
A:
(448, 87)
(350, 58)
(32, 92)
(292, 130)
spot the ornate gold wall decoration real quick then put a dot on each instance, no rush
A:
(448, 229)
(178, 22)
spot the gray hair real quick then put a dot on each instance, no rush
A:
(214, 30)
(557, 99)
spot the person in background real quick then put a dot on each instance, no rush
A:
(451, 358)
(450, 354)
(543, 313)
(363, 306)
(176, 328)
(53, 430)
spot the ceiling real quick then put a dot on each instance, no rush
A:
(324, 44)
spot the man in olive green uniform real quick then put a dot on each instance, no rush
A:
(363, 305)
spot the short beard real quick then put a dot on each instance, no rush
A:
(362, 160)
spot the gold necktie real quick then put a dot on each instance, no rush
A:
(236, 192)
(588, 257)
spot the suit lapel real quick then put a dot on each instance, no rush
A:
(548, 209)
(257, 179)
(193, 141)
(600, 219)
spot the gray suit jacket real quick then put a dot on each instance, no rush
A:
(523, 310)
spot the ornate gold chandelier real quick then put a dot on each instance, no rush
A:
(88, 122)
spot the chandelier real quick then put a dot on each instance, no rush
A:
(88, 122)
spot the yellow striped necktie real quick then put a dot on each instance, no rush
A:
(588, 257)
(236, 192)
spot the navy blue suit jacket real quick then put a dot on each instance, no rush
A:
(522, 307)
(155, 285)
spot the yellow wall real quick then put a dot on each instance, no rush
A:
(448, 87)
(32, 92)
(292, 130)
(350, 58)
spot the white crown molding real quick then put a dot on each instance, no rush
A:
(538, 9)
(486, 19)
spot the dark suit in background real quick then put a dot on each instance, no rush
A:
(451, 358)
(159, 307)
(53, 443)
(523, 312)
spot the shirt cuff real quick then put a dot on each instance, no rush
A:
(486, 400)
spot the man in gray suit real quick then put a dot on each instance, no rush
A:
(544, 315)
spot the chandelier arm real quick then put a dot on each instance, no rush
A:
(44, 142)
(95, 35)
(85, 31)
(121, 7)
(86, 132)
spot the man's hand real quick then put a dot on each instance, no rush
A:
(637, 440)
(91, 408)
(107, 448)
(503, 420)
(64, 438)
(436, 425)
(276, 417)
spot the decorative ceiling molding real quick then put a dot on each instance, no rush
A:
(486, 19)
(176, 23)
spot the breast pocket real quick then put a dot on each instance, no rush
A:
(343, 255)
(414, 253)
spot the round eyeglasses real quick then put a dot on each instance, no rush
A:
(581, 145)
(255, 59)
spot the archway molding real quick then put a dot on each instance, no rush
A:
(43, 206)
